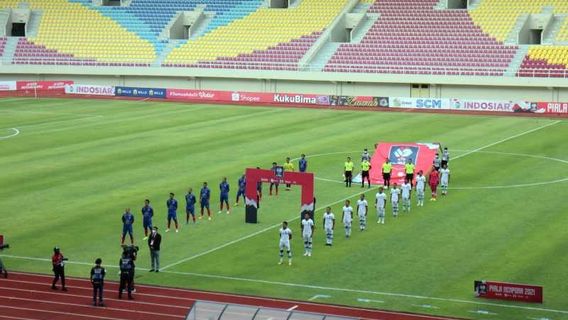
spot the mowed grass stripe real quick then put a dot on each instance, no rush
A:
(72, 181)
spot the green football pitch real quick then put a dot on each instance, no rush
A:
(70, 167)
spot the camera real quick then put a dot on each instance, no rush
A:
(4, 246)
(130, 250)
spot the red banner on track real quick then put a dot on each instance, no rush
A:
(421, 154)
(508, 291)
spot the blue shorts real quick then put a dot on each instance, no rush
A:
(172, 215)
(126, 228)
(190, 210)
(224, 198)
(204, 204)
(147, 223)
(240, 193)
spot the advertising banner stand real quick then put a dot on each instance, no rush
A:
(255, 176)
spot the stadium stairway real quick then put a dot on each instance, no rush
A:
(549, 38)
(323, 55)
(171, 45)
(517, 61)
(4, 17)
(9, 50)
(366, 25)
(34, 22)
(512, 38)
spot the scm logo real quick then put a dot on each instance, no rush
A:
(429, 103)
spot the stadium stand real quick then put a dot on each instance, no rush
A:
(148, 18)
(63, 27)
(264, 29)
(498, 18)
(2, 45)
(411, 37)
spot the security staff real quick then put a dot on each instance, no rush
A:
(126, 265)
(97, 280)
(58, 262)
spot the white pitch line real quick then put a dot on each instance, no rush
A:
(297, 217)
(292, 308)
(256, 233)
(359, 291)
(392, 294)
(507, 139)
(16, 132)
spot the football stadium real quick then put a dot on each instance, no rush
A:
(283, 159)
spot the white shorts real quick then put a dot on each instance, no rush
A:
(405, 198)
(362, 217)
(347, 224)
(307, 237)
(328, 230)
(381, 211)
(285, 245)
(444, 182)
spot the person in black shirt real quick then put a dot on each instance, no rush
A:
(126, 265)
(97, 280)
(154, 244)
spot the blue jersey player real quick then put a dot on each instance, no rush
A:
(204, 196)
(224, 195)
(303, 163)
(242, 187)
(127, 222)
(190, 205)
(172, 206)
(147, 214)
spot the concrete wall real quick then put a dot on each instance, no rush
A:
(305, 82)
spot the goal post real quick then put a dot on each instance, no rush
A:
(255, 176)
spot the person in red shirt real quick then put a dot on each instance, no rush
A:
(433, 181)
(57, 260)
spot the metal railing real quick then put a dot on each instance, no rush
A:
(295, 67)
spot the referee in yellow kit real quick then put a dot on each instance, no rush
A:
(387, 169)
(365, 168)
(288, 166)
(348, 173)
(409, 171)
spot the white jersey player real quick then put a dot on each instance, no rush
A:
(406, 188)
(285, 237)
(444, 179)
(347, 218)
(380, 204)
(328, 226)
(395, 196)
(362, 209)
(307, 234)
(420, 188)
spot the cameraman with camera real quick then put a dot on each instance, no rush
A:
(127, 267)
(58, 262)
(2, 268)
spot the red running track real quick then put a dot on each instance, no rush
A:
(25, 296)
